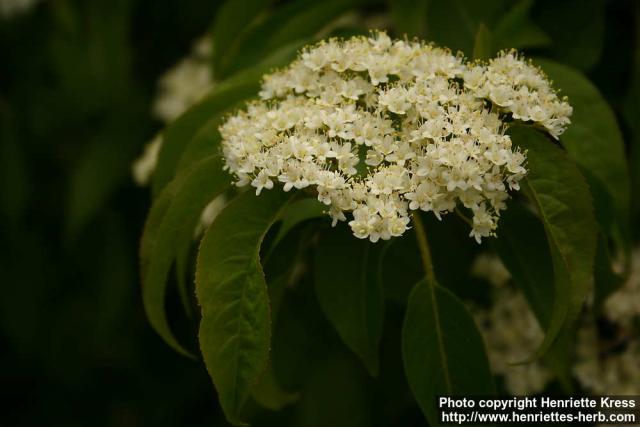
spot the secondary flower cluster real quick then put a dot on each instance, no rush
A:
(179, 88)
(510, 330)
(11, 8)
(185, 83)
(382, 127)
(607, 347)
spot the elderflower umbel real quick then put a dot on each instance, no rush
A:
(382, 127)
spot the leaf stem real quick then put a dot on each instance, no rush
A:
(423, 245)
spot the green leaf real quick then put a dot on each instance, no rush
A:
(603, 204)
(309, 21)
(178, 134)
(268, 393)
(631, 112)
(482, 47)
(169, 229)
(442, 349)
(205, 142)
(593, 139)
(465, 17)
(248, 48)
(232, 19)
(350, 293)
(516, 31)
(561, 196)
(298, 22)
(297, 213)
(606, 280)
(576, 28)
(409, 17)
(183, 275)
(235, 330)
(195, 134)
(400, 267)
(302, 337)
(524, 250)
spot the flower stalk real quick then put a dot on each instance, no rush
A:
(423, 245)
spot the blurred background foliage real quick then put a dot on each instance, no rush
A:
(77, 82)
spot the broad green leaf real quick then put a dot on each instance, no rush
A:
(269, 394)
(603, 205)
(309, 21)
(278, 58)
(297, 23)
(249, 47)
(268, 391)
(349, 292)
(606, 281)
(183, 276)
(400, 267)
(524, 250)
(465, 17)
(409, 17)
(515, 30)
(205, 142)
(199, 134)
(152, 225)
(452, 254)
(298, 212)
(178, 134)
(483, 45)
(631, 112)
(302, 337)
(593, 139)
(561, 196)
(576, 28)
(232, 19)
(169, 230)
(442, 349)
(235, 330)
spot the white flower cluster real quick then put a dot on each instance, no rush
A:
(144, 166)
(510, 330)
(611, 364)
(11, 8)
(382, 127)
(623, 306)
(184, 84)
(178, 89)
(520, 89)
(601, 370)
